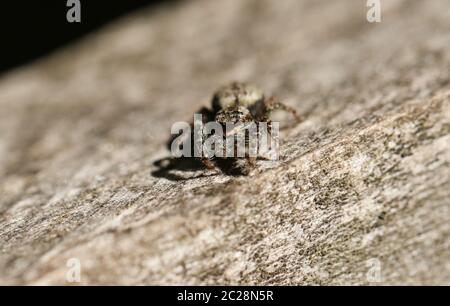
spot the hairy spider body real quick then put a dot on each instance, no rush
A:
(240, 103)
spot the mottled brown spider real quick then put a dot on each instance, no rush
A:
(242, 103)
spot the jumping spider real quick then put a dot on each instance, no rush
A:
(241, 103)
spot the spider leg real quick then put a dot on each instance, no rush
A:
(208, 164)
(206, 158)
(251, 161)
(271, 104)
(261, 154)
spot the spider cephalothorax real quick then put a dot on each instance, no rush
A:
(235, 115)
(240, 104)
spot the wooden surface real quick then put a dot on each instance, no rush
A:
(363, 182)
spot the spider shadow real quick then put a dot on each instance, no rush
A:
(169, 167)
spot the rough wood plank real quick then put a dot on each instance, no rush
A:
(364, 179)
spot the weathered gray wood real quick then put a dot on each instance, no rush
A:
(363, 180)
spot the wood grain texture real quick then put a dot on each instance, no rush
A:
(365, 176)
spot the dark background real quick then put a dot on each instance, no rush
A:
(31, 29)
